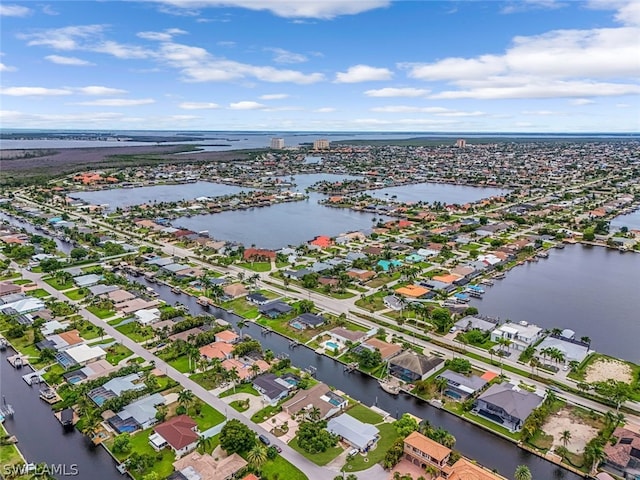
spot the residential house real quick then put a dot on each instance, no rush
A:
(360, 435)
(119, 296)
(297, 274)
(22, 306)
(424, 452)
(8, 288)
(275, 308)
(61, 341)
(572, 349)
(411, 366)
(196, 466)
(84, 281)
(413, 291)
(91, 371)
(179, 433)
(343, 335)
(319, 396)
(219, 350)
(507, 405)
(272, 388)
(147, 316)
(461, 387)
(392, 302)
(307, 320)
(257, 298)
(80, 355)
(235, 290)
(623, 458)
(463, 469)
(321, 241)
(227, 336)
(138, 415)
(114, 387)
(521, 334)
(136, 304)
(387, 350)
(360, 275)
(259, 255)
(476, 322)
(49, 328)
(243, 367)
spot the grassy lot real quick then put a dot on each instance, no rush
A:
(9, 453)
(87, 330)
(140, 443)
(240, 388)
(242, 307)
(280, 469)
(76, 294)
(256, 266)
(57, 285)
(373, 302)
(204, 380)
(281, 325)
(264, 414)
(181, 364)
(208, 417)
(53, 374)
(101, 313)
(25, 346)
(579, 374)
(388, 435)
(116, 353)
(136, 332)
(365, 414)
(39, 293)
(383, 279)
(317, 458)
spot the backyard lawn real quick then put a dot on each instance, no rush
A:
(181, 364)
(242, 307)
(388, 435)
(317, 458)
(101, 313)
(365, 414)
(9, 453)
(139, 443)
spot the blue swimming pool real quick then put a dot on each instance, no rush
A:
(452, 394)
(332, 345)
(297, 325)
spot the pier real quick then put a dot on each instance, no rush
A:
(351, 367)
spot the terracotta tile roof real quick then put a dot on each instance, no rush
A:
(178, 431)
(412, 291)
(227, 336)
(465, 470)
(72, 337)
(426, 445)
(220, 350)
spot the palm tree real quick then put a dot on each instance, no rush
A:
(565, 437)
(255, 369)
(257, 456)
(204, 443)
(314, 414)
(194, 354)
(441, 384)
(522, 473)
(594, 454)
(234, 376)
(242, 323)
(100, 332)
(186, 398)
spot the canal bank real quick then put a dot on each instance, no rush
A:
(41, 437)
(479, 444)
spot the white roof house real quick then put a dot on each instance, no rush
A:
(83, 354)
(520, 334)
(24, 305)
(50, 327)
(147, 316)
(359, 435)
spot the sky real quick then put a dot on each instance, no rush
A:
(325, 65)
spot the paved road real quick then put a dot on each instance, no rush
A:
(313, 471)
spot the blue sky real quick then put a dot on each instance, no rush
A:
(327, 65)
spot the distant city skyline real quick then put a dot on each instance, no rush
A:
(539, 66)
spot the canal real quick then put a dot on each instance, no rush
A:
(487, 448)
(63, 246)
(41, 438)
(591, 290)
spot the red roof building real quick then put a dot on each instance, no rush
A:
(257, 254)
(321, 241)
(180, 433)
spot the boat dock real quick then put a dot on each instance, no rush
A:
(18, 360)
(33, 378)
(49, 395)
(351, 367)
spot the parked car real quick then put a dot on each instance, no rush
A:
(264, 439)
(278, 449)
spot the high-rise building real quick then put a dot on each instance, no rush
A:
(461, 143)
(277, 143)
(321, 144)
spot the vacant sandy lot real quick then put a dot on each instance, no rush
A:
(602, 370)
(580, 433)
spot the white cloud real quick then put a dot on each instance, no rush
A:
(165, 36)
(226, 43)
(120, 50)
(325, 110)
(542, 113)
(48, 10)
(456, 68)
(622, 105)
(581, 101)
(198, 105)
(13, 117)
(397, 92)
(285, 56)
(14, 11)
(34, 92)
(6, 68)
(100, 90)
(247, 105)
(118, 102)
(363, 73)
(438, 111)
(274, 96)
(526, 5)
(74, 61)
(65, 38)
(323, 9)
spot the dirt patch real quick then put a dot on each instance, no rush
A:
(580, 432)
(602, 370)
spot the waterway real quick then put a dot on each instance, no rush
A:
(41, 438)
(630, 220)
(62, 245)
(471, 440)
(441, 192)
(124, 197)
(591, 290)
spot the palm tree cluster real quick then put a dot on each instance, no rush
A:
(554, 354)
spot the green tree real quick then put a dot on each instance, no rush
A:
(441, 318)
(78, 253)
(405, 425)
(236, 437)
(186, 398)
(314, 438)
(122, 443)
(257, 456)
(522, 473)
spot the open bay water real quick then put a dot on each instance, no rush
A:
(594, 291)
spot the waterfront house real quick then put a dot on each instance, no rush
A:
(114, 387)
(507, 405)
(272, 388)
(259, 255)
(410, 366)
(80, 355)
(521, 334)
(243, 367)
(257, 298)
(319, 396)
(84, 281)
(196, 466)
(362, 436)
(235, 290)
(179, 433)
(413, 291)
(136, 304)
(572, 349)
(97, 290)
(321, 241)
(463, 469)
(227, 336)
(138, 415)
(91, 371)
(307, 320)
(275, 309)
(476, 322)
(623, 458)
(119, 296)
(461, 387)
(342, 335)
(387, 350)
(424, 452)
